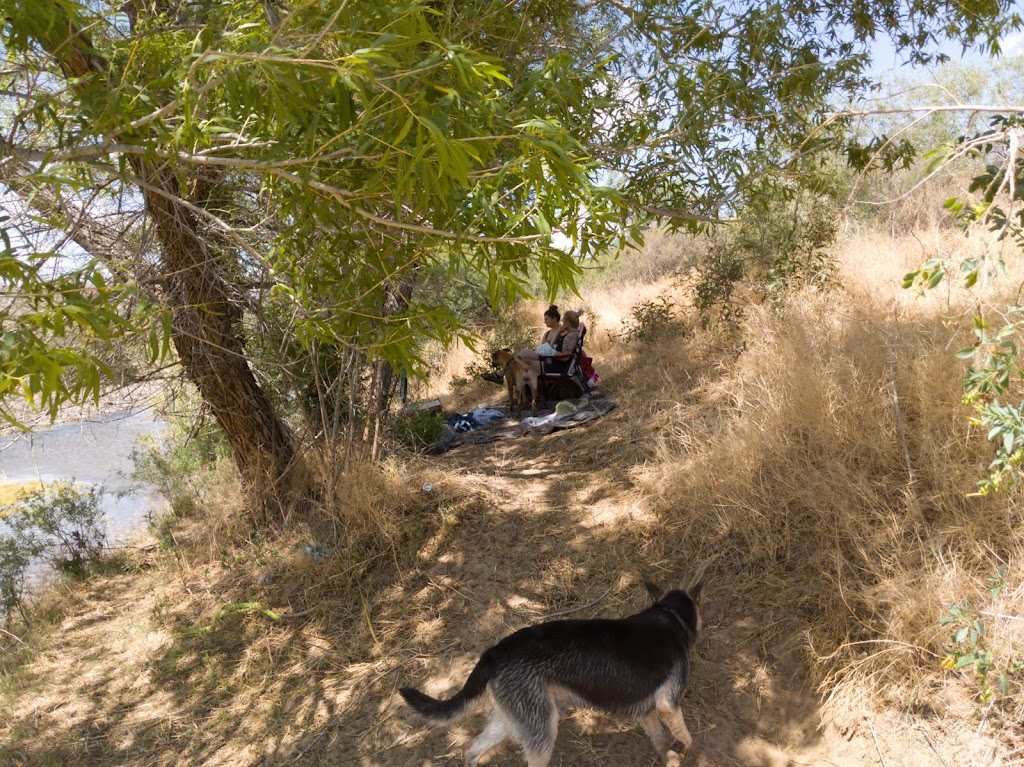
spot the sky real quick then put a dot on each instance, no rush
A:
(887, 60)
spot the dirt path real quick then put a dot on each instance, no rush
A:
(561, 529)
(530, 528)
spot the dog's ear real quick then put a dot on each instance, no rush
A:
(695, 592)
(654, 591)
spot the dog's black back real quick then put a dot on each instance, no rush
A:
(612, 664)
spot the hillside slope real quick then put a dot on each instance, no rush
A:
(815, 476)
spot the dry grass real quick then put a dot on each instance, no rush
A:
(816, 476)
(830, 465)
(10, 492)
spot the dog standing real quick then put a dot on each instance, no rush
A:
(518, 376)
(636, 667)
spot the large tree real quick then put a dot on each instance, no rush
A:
(221, 155)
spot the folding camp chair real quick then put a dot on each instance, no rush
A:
(573, 373)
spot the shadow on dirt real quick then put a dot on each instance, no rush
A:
(534, 550)
(535, 527)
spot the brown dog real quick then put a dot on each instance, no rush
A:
(518, 376)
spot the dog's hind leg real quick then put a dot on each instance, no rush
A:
(540, 741)
(532, 716)
(656, 732)
(672, 716)
(495, 732)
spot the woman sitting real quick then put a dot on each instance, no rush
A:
(552, 320)
(564, 343)
(545, 348)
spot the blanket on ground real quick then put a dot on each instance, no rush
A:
(578, 412)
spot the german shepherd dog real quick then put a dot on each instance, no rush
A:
(636, 667)
(518, 376)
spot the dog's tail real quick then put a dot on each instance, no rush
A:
(455, 706)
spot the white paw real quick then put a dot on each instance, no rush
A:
(672, 759)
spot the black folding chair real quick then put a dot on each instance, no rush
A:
(549, 379)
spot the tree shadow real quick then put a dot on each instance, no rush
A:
(531, 556)
(540, 526)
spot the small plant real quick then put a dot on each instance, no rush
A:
(233, 608)
(60, 524)
(718, 272)
(969, 648)
(176, 465)
(418, 430)
(650, 320)
(15, 558)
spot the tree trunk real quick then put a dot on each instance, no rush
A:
(203, 330)
(203, 327)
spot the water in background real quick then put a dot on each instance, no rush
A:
(96, 451)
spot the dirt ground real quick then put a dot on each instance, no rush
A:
(564, 533)
(531, 528)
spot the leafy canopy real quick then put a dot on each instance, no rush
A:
(333, 148)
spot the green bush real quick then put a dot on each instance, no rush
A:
(61, 525)
(780, 244)
(174, 466)
(418, 430)
(650, 320)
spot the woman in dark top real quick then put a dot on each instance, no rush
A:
(552, 319)
(565, 340)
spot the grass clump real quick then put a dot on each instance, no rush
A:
(827, 470)
(418, 430)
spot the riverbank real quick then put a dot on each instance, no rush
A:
(96, 452)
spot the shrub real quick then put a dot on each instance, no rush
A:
(650, 320)
(418, 430)
(174, 466)
(60, 524)
(780, 245)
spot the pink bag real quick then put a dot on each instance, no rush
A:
(587, 367)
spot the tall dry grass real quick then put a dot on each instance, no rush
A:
(823, 467)
(827, 470)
